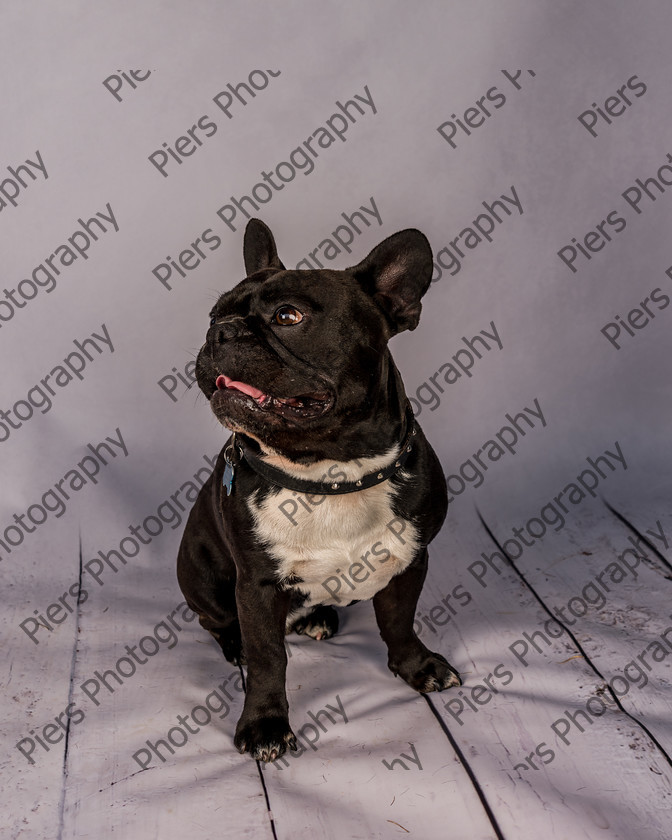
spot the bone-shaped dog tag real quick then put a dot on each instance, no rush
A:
(227, 480)
(231, 458)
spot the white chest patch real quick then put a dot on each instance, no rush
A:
(341, 548)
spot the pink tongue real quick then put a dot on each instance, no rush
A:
(224, 382)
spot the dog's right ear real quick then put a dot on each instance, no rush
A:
(259, 249)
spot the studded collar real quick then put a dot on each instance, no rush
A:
(237, 450)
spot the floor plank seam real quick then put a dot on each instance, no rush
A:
(576, 642)
(73, 662)
(643, 539)
(269, 810)
(467, 767)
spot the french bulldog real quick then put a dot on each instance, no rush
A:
(327, 493)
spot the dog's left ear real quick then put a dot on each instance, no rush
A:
(259, 249)
(397, 273)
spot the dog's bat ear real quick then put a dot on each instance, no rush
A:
(259, 249)
(396, 274)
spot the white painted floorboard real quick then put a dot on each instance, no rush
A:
(477, 763)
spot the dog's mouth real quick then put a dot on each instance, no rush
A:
(298, 407)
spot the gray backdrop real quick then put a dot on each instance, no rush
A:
(528, 140)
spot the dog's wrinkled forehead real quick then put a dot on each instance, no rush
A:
(237, 300)
(272, 287)
(262, 275)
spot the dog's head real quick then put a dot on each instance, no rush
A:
(291, 358)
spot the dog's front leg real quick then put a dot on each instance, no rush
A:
(263, 729)
(408, 657)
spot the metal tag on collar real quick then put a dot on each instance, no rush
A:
(231, 458)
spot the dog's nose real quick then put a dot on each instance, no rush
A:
(226, 330)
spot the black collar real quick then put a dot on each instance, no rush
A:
(239, 448)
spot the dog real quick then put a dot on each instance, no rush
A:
(327, 493)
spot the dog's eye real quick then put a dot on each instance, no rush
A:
(287, 316)
(213, 321)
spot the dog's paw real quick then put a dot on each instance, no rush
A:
(265, 738)
(321, 623)
(432, 673)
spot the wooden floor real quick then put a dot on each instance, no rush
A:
(563, 728)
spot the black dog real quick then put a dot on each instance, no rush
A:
(328, 491)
